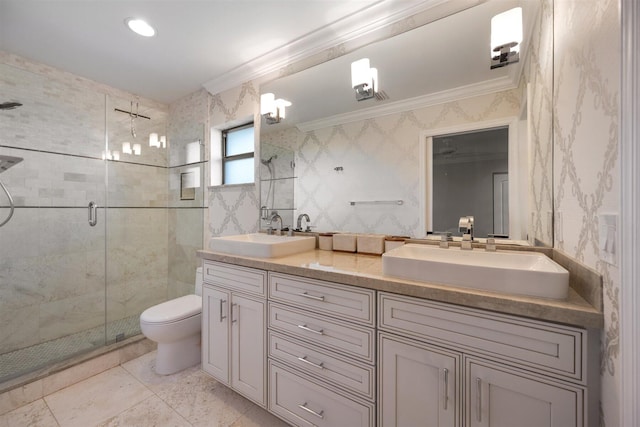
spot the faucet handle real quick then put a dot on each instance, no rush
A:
(445, 238)
(490, 246)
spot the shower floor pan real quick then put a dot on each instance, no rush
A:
(19, 362)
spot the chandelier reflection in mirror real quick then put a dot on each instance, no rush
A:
(272, 109)
(364, 79)
(506, 36)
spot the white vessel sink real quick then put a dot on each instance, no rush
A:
(262, 245)
(514, 272)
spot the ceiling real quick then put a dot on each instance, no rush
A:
(198, 41)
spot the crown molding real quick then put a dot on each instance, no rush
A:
(373, 19)
(455, 94)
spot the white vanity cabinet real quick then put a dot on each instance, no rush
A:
(234, 328)
(419, 384)
(321, 352)
(457, 366)
(498, 397)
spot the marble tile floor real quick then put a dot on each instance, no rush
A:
(18, 362)
(132, 394)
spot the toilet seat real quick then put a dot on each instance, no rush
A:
(173, 310)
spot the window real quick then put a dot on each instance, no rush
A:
(237, 155)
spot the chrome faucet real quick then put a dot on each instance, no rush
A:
(306, 218)
(465, 226)
(274, 217)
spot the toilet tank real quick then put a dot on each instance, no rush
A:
(199, 278)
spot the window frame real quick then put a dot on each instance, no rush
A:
(225, 158)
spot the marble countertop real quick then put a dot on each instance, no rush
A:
(366, 271)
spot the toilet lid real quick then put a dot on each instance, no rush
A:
(173, 310)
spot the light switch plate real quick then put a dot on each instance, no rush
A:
(608, 237)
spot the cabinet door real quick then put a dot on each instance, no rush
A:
(499, 397)
(248, 353)
(418, 386)
(215, 333)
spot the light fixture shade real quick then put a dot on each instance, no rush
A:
(374, 79)
(506, 29)
(280, 107)
(364, 79)
(360, 73)
(273, 109)
(267, 104)
(153, 140)
(137, 149)
(126, 148)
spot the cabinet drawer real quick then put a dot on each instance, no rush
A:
(556, 349)
(338, 336)
(302, 402)
(354, 377)
(236, 278)
(342, 301)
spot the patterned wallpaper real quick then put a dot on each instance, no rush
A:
(586, 166)
(538, 73)
(234, 209)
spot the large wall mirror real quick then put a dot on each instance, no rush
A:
(369, 166)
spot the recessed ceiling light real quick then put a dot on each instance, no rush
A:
(139, 26)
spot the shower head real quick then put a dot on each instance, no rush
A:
(268, 161)
(9, 105)
(7, 161)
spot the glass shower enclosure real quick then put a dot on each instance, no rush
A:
(99, 231)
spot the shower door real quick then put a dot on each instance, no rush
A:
(52, 251)
(137, 216)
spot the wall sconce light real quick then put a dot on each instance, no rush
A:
(506, 36)
(127, 148)
(364, 79)
(273, 110)
(156, 141)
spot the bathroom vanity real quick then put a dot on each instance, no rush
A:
(323, 338)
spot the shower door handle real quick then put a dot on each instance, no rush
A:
(93, 213)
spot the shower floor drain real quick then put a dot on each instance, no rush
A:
(20, 362)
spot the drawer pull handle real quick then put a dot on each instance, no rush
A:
(478, 401)
(317, 365)
(306, 295)
(222, 301)
(311, 411)
(305, 328)
(446, 388)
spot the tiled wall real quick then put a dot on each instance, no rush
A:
(586, 165)
(188, 119)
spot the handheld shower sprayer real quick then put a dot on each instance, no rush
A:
(7, 162)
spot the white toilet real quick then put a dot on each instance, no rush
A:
(175, 325)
